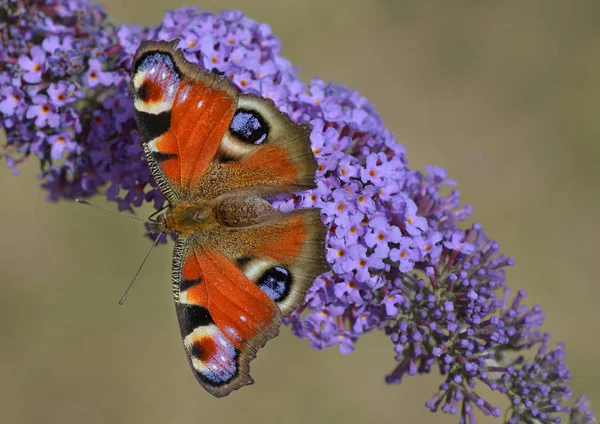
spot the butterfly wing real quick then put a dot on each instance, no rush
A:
(224, 317)
(263, 152)
(230, 298)
(281, 252)
(182, 112)
(203, 139)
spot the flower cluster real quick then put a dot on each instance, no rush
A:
(64, 98)
(400, 260)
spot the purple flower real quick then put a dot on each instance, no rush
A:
(61, 143)
(213, 56)
(348, 168)
(362, 263)
(456, 243)
(53, 43)
(392, 301)
(406, 254)
(429, 247)
(381, 234)
(350, 227)
(34, 64)
(414, 224)
(346, 342)
(375, 169)
(349, 292)
(95, 75)
(337, 255)
(366, 199)
(340, 206)
(12, 98)
(62, 93)
(43, 112)
(401, 262)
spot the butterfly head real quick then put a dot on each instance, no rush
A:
(158, 225)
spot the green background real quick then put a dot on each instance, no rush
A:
(503, 94)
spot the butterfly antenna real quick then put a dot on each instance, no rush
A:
(85, 202)
(122, 300)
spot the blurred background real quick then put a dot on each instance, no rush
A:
(503, 94)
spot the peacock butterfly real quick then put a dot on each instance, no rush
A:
(239, 265)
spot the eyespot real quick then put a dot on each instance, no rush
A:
(155, 63)
(154, 74)
(276, 282)
(249, 126)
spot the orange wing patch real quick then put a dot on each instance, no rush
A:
(268, 166)
(200, 117)
(283, 241)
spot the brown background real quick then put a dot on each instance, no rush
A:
(504, 94)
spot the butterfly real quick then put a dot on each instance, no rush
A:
(239, 265)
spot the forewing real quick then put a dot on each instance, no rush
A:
(202, 139)
(182, 113)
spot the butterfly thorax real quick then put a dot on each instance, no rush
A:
(187, 217)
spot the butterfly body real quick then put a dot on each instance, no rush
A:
(239, 265)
